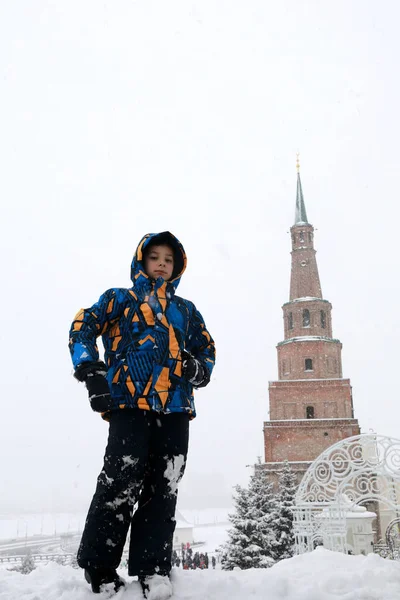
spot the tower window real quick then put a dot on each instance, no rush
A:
(301, 237)
(290, 320)
(286, 367)
(308, 364)
(323, 319)
(310, 412)
(310, 237)
(306, 318)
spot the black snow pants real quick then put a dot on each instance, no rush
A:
(144, 460)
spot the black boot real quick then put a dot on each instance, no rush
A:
(158, 582)
(99, 577)
(144, 585)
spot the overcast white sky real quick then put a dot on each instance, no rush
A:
(120, 118)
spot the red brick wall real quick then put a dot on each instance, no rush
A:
(326, 360)
(304, 441)
(331, 398)
(314, 307)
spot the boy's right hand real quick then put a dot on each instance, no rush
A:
(99, 392)
(93, 375)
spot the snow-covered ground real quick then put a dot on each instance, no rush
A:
(321, 575)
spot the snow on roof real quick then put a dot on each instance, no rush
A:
(364, 515)
(181, 522)
(309, 338)
(354, 511)
(324, 514)
(308, 298)
(308, 379)
(183, 525)
(328, 419)
(282, 462)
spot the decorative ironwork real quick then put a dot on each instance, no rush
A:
(353, 471)
(393, 538)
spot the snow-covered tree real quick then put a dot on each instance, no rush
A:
(27, 565)
(251, 540)
(283, 521)
(264, 509)
(74, 562)
(237, 551)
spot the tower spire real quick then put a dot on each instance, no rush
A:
(304, 279)
(301, 214)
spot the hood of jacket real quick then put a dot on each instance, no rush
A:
(138, 273)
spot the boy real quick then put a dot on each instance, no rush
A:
(156, 350)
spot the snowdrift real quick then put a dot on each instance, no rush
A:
(321, 575)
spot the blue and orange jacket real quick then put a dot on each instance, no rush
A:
(145, 330)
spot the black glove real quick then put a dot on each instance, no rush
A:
(194, 372)
(94, 376)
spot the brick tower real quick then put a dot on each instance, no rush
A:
(311, 405)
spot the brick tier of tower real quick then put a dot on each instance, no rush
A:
(311, 404)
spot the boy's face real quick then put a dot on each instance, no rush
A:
(159, 262)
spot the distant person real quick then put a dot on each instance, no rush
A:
(156, 350)
(213, 562)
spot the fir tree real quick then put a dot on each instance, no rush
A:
(27, 565)
(74, 562)
(251, 540)
(283, 522)
(263, 507)
(237, 552)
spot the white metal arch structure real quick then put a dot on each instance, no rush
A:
(356, 469)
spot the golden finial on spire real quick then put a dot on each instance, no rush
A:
(298, 162)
